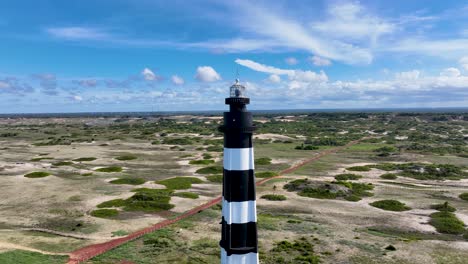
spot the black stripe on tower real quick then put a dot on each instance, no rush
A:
(239, 186)
(239, 238)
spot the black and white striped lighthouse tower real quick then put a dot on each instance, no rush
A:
(239, 220)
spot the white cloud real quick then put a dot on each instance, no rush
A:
(177, 80)
(352, 20)
(464, 63)
(450, 72)
(76, 33)
(77, 98)
(274, 78)
(318, 61)
(149, 75)
(207, 74)
(291, 61)
(298, 75)
(409, 75)
(4, 85)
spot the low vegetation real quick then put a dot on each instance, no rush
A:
(274, 197)
(37, 174)
(177, 141)
(446, 222)
(298, 251)
(445, 207)
(126, 157)
(201, 162)
(215, 178)
(464, 196)
(110, 169)
(62, 163)
(130, 181)
(262, 161)
(27, 257)
(422, 171)
(179, 183)
(359, 168)
(265, 174)
(105, 213)
(347, 177)
(85, 159)
(390, 205)
(389, 176)
(210, 170)
(189, 195)
(144, 199)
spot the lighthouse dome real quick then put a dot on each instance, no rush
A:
(237, 90)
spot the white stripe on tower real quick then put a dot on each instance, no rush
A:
(239, 159)
(239, 212)
(248, 258)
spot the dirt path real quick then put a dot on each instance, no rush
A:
(91, 251)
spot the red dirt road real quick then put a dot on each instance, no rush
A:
(88, 252)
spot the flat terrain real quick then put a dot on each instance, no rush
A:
(70, 182)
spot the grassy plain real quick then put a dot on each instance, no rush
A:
(92, 165)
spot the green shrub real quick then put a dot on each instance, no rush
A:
(28, 257)
(445, 207)
(215, 178)
(126, 157)
(389, 176)
(210, 170)
(177, 141)
(110, 169)
(446, 222)
(201, 162)
(359, 168)
(265, 174)
(105, 213)
(274, 197)
(317, 193)
(464, 196)
(179, 183)
(131, 181)
(352, 198)
(207, 156)
(62, 163)
(347, 176)
(390, 205)
(112, 203)
(37, 174)
(188, 195)
(262, 161)
(85, 159)
(215, 149)
(43, 158)
(87, 174)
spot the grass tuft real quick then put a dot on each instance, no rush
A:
(110, 169)
(464, 196)
(105, 213)
(265, 174)
(126, 157)
(446, 222)
(390, 205)
(359, 168)
(85, 159)
(188, 195)
(215, 178)
(179, 183)
(37, 174)
(274, 197)
(201, 162)
(62, 163)
(347, 177)
(210, 170)
(262, 161)
(131, 181)
(389, 176)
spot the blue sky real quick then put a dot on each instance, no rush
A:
(80, 56)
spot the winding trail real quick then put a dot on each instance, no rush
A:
(88, 252)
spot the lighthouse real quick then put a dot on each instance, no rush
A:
(239, 214)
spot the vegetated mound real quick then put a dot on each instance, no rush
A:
(110, 169)
(37, 174)
(446, 222)
(23, 256)
(422, 171)
(389, 176)
(323, 190)
(177, 141)
(215, 178)
(347, 177)
(85, 159)
(144, 199)
(126, 157)
(298, 251)
(390, 205)
(130, 181)
(464, 196)
(201, 162)
(62, 163)
(359, 168)
(445, 207)
(274, 197)
(179, 183)
(189, 195)
(105, 213)
(210, 170)
(306, 147)
(265, 174)
(262, 161)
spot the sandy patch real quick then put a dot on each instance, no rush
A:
(272, 136)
